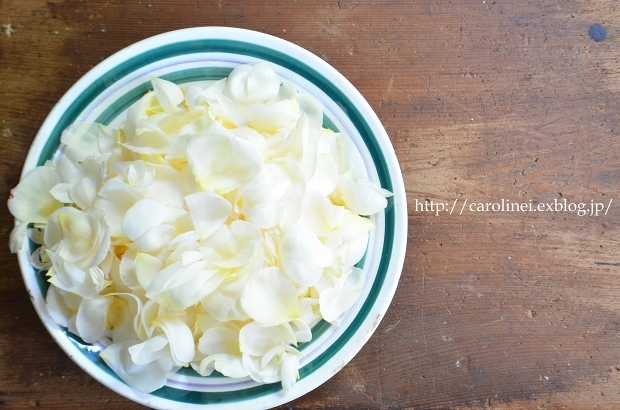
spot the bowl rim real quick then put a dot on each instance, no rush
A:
(397, 206)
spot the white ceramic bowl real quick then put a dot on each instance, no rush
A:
(104, 94)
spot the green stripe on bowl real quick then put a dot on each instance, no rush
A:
(300, 68)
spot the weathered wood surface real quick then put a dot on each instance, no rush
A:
(482, 100)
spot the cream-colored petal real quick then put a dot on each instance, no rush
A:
(249, 84)
(325, 178)
(82, 140)
(86, 283)
(144, 378)
(92, 318)
(361, 196)
(208, 211)
(115, 199)
(229, 365)
(222, 163)
(334, 302)
(61, 193)
(155, 239)
(268, 118)
(261, 374)
(17, 238)
(84, 186)
(303, 256)
(149, 350)
(143, 216)
(219, 340)
(289, 370)
(148, 140)
(179, 337)
(257, 340)
(57, 307)
(303, 332)
(310, 106)
(147, 268)
(168, 93)
(31, 200)
(269, 297)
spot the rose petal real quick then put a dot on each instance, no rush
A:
(168, 93)
(304, 256)
(91, 320)
(361, 196)
(269, 297)
(335, 302)
(82, 140)
(115, 199)
(222, 163)
(208, 211)
(144, 378)
(180, 338)
(257, 340)
(31, 200)
(143, 216)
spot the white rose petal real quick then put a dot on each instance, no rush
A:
(222, 163)
(336, 301)
(304, 256)
(208, 211)
(168, 93)
(31, 200)
(91, 320)
(145, 378)
(269, 297)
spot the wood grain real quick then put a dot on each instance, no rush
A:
(483, 101)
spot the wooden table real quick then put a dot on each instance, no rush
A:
(483, 101)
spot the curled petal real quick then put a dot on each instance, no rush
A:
(84, 237)
(85, 283)
(303, 332)
(257, 340)
(229, 365)
(325, 178)
(168, 93)
(145, 378)
(310, 106)
(84, 186)
(150, 350)
(362, 196)
(147, 267)
(290, 370)
(180, 339)
(274, 195)
(262, 374)
(268, 118)
(149, 140)
(249, 84)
